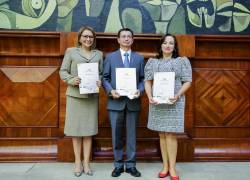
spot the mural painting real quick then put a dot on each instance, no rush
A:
(143, 16)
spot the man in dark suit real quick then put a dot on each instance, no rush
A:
(123, 110)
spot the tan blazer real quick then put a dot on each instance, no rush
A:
(68, 70)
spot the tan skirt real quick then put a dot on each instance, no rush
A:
(81, 116)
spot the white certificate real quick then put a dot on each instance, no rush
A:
(163, 88)
(89, 74)
(126, 81)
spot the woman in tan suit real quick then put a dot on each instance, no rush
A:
(81, 121)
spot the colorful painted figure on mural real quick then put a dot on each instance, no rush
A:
(218, 16)
(164, 13)
(142, 16)
(27, 14)
(112, 15)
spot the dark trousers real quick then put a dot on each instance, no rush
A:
(118, 119)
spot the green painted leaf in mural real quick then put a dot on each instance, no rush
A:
(95, 7)
(237, 16)
(198, 13)
(113, 23)
(177, 24)
(65, 7)
(161, 12)
(132, 19)
(33, 8)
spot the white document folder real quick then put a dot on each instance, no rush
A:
(163, 87)
(126, 81)
(89, 74)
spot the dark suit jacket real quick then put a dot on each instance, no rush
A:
(113, 61)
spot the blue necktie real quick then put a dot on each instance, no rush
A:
(126, 60)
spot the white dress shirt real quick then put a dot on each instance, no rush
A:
(122, 55)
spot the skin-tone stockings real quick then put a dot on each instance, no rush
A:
(168, 144)
(77, 144)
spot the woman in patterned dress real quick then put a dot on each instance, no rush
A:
(81, 121)
(168, 119)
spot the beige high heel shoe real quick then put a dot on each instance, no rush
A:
(87, 171)
(78, 174)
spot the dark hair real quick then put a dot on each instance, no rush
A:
(175, 51)
(125, 29)
(80, 34)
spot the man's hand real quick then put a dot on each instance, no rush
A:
(99, 83)
(115, 94)
(137, 94)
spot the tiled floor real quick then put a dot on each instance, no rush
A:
(102, 171)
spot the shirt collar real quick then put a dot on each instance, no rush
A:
(122, 52)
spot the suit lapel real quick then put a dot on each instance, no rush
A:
(84, 58)
(132, 60)
(119, 59)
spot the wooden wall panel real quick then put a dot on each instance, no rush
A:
(28, 149)
(222, 46)
(221, 120)
(147, 140)
(222, 98)
(227, 149)
(29, 98)
(32, 98)
(31, 43)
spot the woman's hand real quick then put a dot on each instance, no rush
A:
(152, 101)
(181, 92)
(174, 99)
(76, 81)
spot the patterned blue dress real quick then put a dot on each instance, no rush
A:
(169, 117)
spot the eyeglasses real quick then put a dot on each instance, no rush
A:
(126, 36)
(87, 36)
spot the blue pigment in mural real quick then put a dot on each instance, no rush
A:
(218, 17)
(142, 16)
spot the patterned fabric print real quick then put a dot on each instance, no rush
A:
(165, 117)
